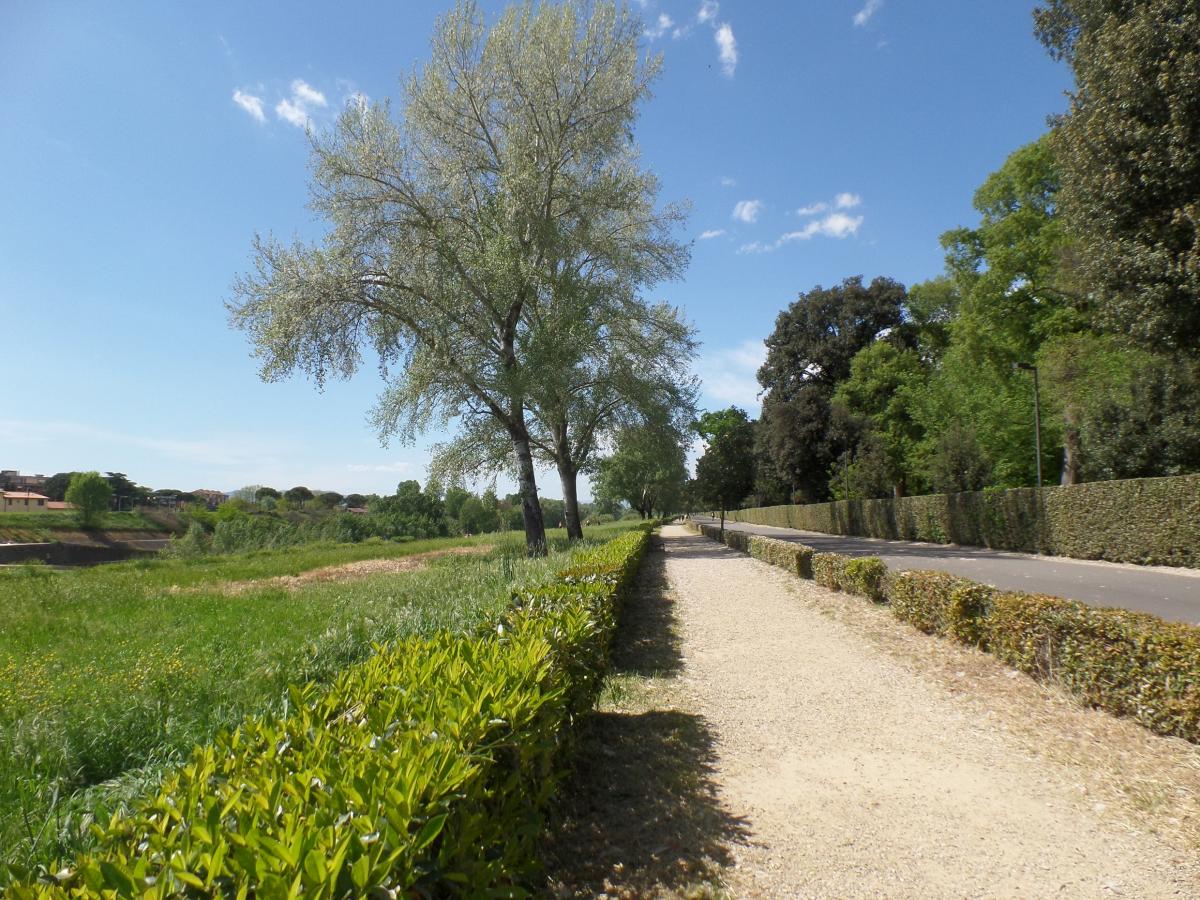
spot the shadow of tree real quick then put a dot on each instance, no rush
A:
(640, 814)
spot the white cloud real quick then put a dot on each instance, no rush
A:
(728, 182)
(251, 104)
(711, 233)
(847, 201)
(297, 110)
(747, 211)
(661, 27)
(708, 12)
(836, 225)
(863, 16)
(727, 46)
(812, 209)
(399, 467)
(729, 375)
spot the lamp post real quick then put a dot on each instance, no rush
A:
(1037, 416)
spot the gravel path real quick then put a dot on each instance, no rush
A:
(859, 776)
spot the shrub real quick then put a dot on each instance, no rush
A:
(941, 603)
(422, 771)
(1129, 663)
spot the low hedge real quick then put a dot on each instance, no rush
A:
(1129, 663)
(1142, 520)
(422, 771)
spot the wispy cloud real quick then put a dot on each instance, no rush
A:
(729, 375)
(728, 182)
(711, 233)
(708, 12)
(298, 108)
(660, 27)
(726, 49)
(251, 104)
(864, 15)
(847, 201)
(747, 211)
(812, 209)
(836, 225)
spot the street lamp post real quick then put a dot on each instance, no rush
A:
(1037, 416)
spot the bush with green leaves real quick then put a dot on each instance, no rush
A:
(90, 495)
(423, 771)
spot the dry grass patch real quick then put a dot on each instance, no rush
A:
(351, 571)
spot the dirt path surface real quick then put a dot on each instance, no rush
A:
(842, 756)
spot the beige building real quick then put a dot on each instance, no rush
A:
(24, 501)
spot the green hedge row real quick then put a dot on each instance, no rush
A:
(1144, 520)
(423, 771)
(1128, 663)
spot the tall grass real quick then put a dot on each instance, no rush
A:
(109, 674)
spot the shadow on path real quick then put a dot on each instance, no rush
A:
(640, 813)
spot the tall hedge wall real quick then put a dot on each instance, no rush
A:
(1143, 520)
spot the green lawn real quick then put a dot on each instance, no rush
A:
(113, 672)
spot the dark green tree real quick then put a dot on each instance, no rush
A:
(725, 473)
(56, 485)
(298, 495)
(808, 355)
(263, 492)
(647, 470)
(1127, 150)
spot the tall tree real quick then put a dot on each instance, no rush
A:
(512, 177)
(808, 355)
(725, 472)
(1127, 150)
(620, 376)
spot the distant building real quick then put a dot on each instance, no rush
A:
(211, 499)
(24, 501)
(12, 480)
(59, 506)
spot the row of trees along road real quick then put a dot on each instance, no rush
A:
(1085, 262)
(490, 248)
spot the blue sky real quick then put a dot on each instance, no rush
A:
(145, 143)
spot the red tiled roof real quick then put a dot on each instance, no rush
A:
(24, 495)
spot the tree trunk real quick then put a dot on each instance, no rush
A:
(568, 476)
(722, 523)
(531, 509)
(1071, 458)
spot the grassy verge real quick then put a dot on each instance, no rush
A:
(112, 673)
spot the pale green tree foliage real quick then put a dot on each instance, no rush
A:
(90, 495)
(511, 185)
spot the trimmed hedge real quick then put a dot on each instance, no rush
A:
(422, 771)
(1144, 520)
(1129, 663)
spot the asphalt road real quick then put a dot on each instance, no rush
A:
(1172, 594)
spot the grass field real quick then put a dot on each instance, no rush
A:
(32, 527)
(111, 673)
